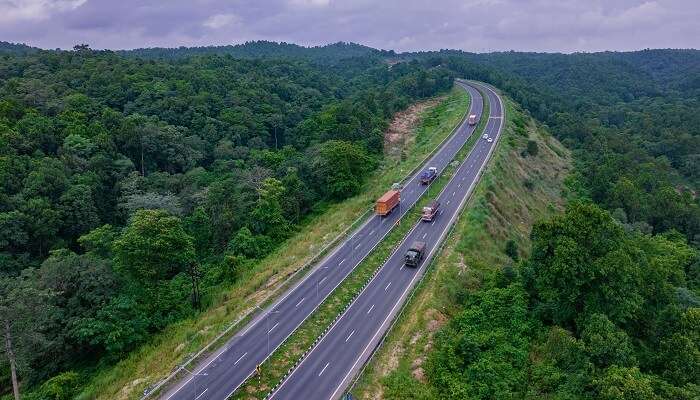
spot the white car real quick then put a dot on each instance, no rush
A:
(489, 140)
(486, 136)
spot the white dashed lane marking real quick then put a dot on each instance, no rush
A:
(240, 358)
(324, 368)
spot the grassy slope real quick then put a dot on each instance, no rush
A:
(151, 362)
(501, 208)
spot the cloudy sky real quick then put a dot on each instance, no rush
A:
(402, 25)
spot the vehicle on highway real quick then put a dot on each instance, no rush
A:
(387, 202)
(428, 176)
(472, 119)
(489, 140)
(414, 254)
(486, 136)
(430, 211)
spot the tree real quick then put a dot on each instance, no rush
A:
(512, 249)
(23, 310)
(153, 246)
(246, 244)
(42, 222)
(267, 216)
(606, 344)
(339, 167)
(78, 211)
(532, 149)
(620, 383)
(581, 263)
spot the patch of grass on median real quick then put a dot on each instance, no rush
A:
(278, 364)
(152, 362)
(516, 190)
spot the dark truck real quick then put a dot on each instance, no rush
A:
(415, 254)
(428, 176)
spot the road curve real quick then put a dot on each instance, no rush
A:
(331, 365)
(220, 374)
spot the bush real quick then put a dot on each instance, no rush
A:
(532, 149)
(512, 250)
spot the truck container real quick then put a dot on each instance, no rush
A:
(415, 254)
(430, 211)
(428, 176)
(472, 119)
(387, 202)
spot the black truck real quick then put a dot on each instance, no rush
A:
(415, 254)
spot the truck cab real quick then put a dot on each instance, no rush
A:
(428, 176)
(414, 255)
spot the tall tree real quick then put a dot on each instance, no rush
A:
(154, 246)
(23, 311)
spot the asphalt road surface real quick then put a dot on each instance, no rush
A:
(331, 365)
(218, 376)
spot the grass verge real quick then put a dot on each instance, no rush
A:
(155, 360)
(516, 190)
(274, 369)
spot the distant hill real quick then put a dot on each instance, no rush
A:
(262, 49)
(16, 48)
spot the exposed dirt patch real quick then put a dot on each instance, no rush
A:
(435, 321)
(400, 135)
(127, 390)
(393, 361)
(462, 265)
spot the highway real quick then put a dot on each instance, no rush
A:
(220, 374)
(328, 369)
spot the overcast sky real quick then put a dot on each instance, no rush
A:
(402, 25)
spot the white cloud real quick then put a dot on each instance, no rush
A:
(219, 21)
(310, 3)
(34, 10)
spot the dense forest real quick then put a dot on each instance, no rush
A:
(198, 162)
(131, 189)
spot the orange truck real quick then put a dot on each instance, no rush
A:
(387, 202)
